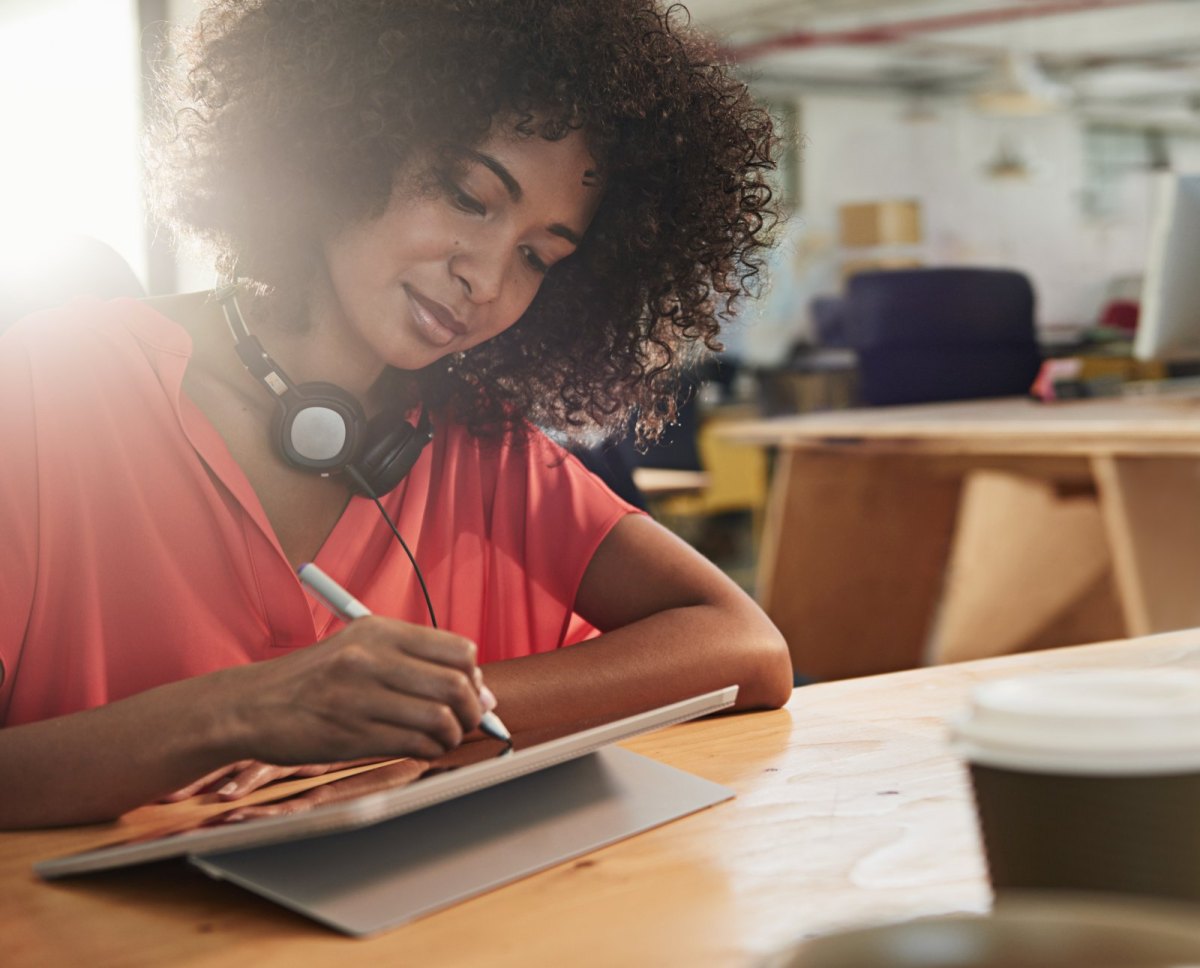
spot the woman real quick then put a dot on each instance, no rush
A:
(455, 219)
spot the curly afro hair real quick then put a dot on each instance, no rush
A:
(296, 116)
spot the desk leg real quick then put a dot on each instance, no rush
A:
(1151, 508)
(852, 559)
(1029, 569)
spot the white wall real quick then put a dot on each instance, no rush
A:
(861, 148)
(69, 117)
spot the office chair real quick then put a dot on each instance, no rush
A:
(923, 335)
(74, 266)
(828, 314)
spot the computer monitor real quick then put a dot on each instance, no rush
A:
(1169, 321)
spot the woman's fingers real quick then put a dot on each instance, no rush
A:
(375, 673)
(440, 647)
(209, 781)
(436, 685)
(251, 778)
(378, 688)
(320, 769)
(397, 774)
(244, 777)
(424, 727)
(429, 663)
(238, 779)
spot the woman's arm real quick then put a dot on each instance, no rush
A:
(378, 688)
(679, 627)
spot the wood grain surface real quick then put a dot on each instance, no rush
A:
(850, 809)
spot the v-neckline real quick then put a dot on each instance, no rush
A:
(338, 546)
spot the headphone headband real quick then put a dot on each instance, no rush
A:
(249, 350)
(321, 428)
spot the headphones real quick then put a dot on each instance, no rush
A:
(321, 428)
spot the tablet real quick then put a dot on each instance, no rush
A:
(432, 786)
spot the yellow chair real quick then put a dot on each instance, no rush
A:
(735, 480)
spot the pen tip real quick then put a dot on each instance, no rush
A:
(492, 725)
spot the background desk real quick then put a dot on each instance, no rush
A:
(850, 809)
(659, 481)
(864, 505)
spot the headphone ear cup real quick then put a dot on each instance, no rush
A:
(392, 447)
(320, 427)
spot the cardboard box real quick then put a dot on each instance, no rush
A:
(896, 222)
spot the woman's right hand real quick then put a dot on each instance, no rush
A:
(378, 688)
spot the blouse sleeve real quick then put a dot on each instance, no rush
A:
(568, 511)
(18, 504)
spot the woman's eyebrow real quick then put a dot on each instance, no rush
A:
(563, 232)
(511, 185)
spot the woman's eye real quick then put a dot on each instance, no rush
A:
(468, 203)
(534, 261)
(461, 198)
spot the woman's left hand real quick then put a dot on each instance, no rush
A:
(238, 779)
(387, 777)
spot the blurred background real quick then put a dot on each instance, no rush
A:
(1023, 134)
(1017, 135)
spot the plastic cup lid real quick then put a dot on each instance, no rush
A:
(1109, 721)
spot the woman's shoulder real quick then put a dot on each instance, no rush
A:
(523, 443)
(87, 325)
(527, 465)
(91, 350)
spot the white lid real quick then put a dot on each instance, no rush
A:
(1110, 721)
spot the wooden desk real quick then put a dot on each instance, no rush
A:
(664, 481)
(864, 505)
(850, 809)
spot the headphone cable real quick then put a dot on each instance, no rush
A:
(369, 492)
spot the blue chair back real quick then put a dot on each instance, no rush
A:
(923, 335)
(828, 314)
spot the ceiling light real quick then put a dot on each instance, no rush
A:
(1007, 164)
(1018, 87)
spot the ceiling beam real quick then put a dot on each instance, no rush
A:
(888, 33)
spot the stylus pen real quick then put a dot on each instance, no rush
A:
(347, 607)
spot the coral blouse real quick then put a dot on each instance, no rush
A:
(135, 552)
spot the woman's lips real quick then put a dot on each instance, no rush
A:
(437, 323)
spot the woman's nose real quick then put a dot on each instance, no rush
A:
(482, 274)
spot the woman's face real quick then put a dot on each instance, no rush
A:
(440, 272)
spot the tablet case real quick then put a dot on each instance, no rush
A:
(380, 859)
(379, 877)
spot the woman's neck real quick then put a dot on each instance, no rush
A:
(308, 351)
(314, 342)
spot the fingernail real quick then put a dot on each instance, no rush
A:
(478, 678)
(227, 789)
(488, 698)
